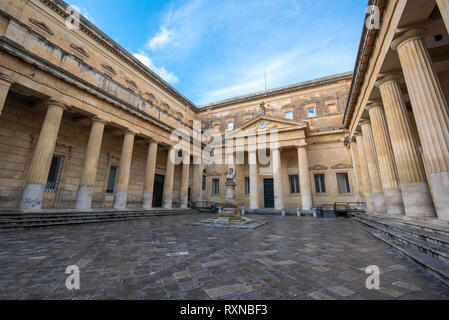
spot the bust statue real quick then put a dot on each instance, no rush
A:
(262, 108)
(230, 176)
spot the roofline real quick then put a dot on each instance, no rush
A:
(277, 91)
(365, 50)
(161, 82)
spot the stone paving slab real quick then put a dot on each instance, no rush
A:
(168, 258)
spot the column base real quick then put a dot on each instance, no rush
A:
(167, 201)
(147, 201)
(120, 198)
(369, 204)
(393, 202)
(378, 202)
(417, 200)
(33, 194)
(184, 202)
(84, 198)
(440, 192)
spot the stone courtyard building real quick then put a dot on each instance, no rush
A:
(84, 124)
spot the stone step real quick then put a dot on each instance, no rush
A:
(49, 220)
(435, 266)
(89, 215)
(434, 250)
(422, 233)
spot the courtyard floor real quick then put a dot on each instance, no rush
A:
(168, 258)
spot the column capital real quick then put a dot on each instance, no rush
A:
(373, 104)
(394, 77)
(5, 80)
(55, 103)
(410, 34)
(131, 131)
(97, 119)
(364, 122)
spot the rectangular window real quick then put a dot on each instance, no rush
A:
(289, 115)
(54, 176)
(112, 180)
(311, 112)
(204, 181)
(247, 186)
(320, 186)
(215, 187)
(343, 183)
(294, 184)
(230, 126)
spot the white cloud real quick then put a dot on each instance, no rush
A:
(162, 72)
(161, 39)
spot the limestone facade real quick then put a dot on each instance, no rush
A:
(83, 124)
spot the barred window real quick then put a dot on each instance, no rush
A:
(294, 184)
(112, 179)
(320, 184)
(343, 183)
(54, 176)
(247, 186)
(203, 182)
(216, 187)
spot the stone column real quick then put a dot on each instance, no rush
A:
(41, 160)
(277, 177)
(253, 180)
(304, 179)
(5, 84)
(167, 198)
(86, 187)
(385, 158)
(431, 113)
(184, 193)
(444, 8)
(415, 191)
(373, 169)
(121, 193)
(150, 171)
(364, 172)
(197, 182)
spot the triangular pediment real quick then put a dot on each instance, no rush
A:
(265, 123)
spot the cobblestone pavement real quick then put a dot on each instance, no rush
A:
(168, 258)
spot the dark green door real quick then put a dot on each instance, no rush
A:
(268, 187)
(158, 190)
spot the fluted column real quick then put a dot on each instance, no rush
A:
(277, 177)
(184, 193)
(121, 193)
(41, 160)
(150, 172)
(385, 158)
(364, 172)
(167, 198)
(304, 179)
(415, 191)
(444, 9)
(197, 182)
(373, 168)
(253, 180)
(86, 187)
(431, 113)
(5, 84)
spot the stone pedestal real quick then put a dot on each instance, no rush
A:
(230, 203)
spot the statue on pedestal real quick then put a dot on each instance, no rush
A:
(230, 203)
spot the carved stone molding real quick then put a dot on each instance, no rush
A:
(318, 167)
(342, 166)
(79, 51)
(42, 26)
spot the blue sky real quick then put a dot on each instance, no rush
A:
(212, 50)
